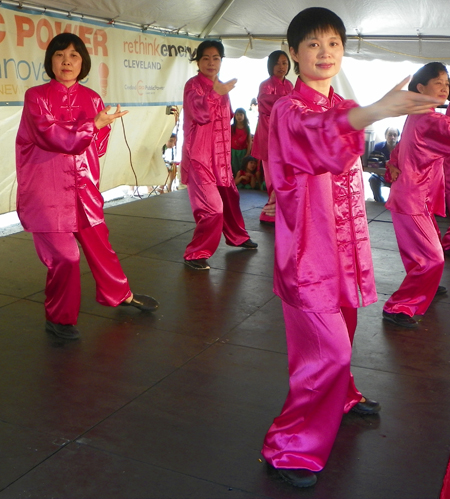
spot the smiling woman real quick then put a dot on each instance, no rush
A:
(63, 131)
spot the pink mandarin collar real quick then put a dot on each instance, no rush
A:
(62, 88)
(314, 96)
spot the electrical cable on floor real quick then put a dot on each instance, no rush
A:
(131, 160)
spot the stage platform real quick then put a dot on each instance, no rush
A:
(175, 404)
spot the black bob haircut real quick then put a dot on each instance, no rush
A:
(273, 59)
(61, 42)
(425, 74)
(198, 54)
(313, 20)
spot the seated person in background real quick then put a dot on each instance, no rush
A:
(378, 158)
(247, 177)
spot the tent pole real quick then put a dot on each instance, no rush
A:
(216, 17)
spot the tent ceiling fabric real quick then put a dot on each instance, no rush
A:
(385, 29)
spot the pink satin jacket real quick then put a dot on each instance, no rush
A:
(420, 154)
(269, 92)
(323, 258)
(57, 151)
(207, 133)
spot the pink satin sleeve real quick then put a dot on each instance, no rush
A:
(49, 134)
(328, 142)
(200, 105)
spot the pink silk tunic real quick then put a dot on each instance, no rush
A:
(207, 133)
(323, 258)
(57, 151)
(269, 92)
(420, 188)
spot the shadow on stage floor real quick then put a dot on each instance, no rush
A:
(175, 404)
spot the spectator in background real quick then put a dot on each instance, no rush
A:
(241, 139)
(378, 158)
(247, 176)
(253, 115)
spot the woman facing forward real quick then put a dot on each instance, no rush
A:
(206, 160)
(63, 131)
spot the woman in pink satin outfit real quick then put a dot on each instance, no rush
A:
(323, 266)
(63, 131)
(206, 160)
(278, 66)
(417, 194)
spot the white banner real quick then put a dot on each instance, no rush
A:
(141, 70)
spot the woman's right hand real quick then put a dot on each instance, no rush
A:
(396, 102)
(104, 119)
(224, 88)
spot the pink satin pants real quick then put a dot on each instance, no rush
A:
(216, 210)
(321, 388)
(418, 239)
(59, 252)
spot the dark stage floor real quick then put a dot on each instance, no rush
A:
(175, 404)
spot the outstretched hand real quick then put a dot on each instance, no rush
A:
(224, 88)
(103, 118)
(398, 102)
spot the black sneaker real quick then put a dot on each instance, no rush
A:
(65, 331)
(142, 302)
(249, 244)
(400, 319)
(198, 264)
(441, 290)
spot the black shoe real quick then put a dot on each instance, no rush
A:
(249, 244)
(198, 264)
(267, 222)
(400, 319)
(297, 477)
(142, 302)
(441, 290)
(367, 408)
(65, 331)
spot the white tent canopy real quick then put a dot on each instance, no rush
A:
(418, 31)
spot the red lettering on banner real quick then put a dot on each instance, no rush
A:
(100, 39)
(59, 30)
(84, 32)
(2, 33)
(25, 29)
(46, 29)
(43, 28)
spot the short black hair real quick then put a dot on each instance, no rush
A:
(425, 74)
(198, 54)
(273, 59)
(246, 160)
(61, 42)
(313, 20)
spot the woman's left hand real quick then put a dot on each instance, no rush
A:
(394, 171)
(104, 119)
